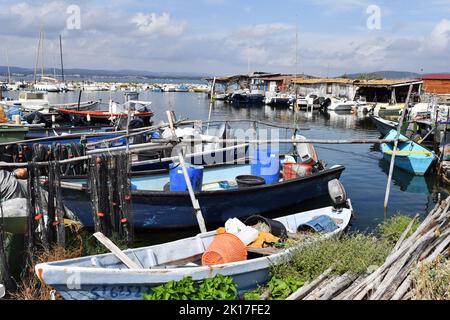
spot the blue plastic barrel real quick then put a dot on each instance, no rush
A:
(266, 164)
(177, 181)
(155, 135)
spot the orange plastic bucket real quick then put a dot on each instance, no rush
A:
(225, 248)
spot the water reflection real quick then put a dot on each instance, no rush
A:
(408, 182)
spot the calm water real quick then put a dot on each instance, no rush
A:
(366, 174)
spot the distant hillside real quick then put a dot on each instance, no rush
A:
(17, 71)
(384, 75)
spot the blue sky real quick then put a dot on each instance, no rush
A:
(230, 36)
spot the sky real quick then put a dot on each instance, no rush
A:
(223, 37)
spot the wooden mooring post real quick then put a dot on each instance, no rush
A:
(397, 138)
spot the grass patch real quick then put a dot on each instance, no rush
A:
(355, 253)
(393, 228)
(432, 281)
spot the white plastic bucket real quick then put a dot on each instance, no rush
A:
(248, 235)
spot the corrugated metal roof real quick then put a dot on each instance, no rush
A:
(437, 76)
(364, 83)
(277, 78)
(323, 80)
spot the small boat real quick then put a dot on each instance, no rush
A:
(29, 101)
(116, 112)
(12, 133)
(277, 100)
(169, 88)
(105, 277)
(248, 98)
(182, 88)
(156, 207)
(310, 101)
(384, 126)
(341, 105)
(410, 156)
(387, 107)
(58, 132)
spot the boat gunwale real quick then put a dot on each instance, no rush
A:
(165, 194)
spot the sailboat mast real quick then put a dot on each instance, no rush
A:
(37, 56)
(296, 46)
(62, 61)
(9, 70)
(42, 55)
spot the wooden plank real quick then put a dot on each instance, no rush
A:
(308, 288)
(116, 251)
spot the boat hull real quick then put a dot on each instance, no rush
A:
(103, 277)
(415, 166)
(383, 126)
(161, 210)
(410, 156)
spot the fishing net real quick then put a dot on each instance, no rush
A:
(110, 191)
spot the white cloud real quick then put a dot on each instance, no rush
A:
(440, 36)
(153, 25)
(262, 30)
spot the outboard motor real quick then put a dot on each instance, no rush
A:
(326, 103)
(337, 194)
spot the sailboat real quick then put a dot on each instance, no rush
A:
(45, 84)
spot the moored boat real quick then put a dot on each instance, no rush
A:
(384, 126)
(156, 207)
(105, 277)
(409, 156)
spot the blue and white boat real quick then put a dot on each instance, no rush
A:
(409, 156)
(155, 207)
(105, 277)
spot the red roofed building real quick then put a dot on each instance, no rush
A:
(438, 83)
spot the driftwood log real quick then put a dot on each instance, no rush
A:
(392, 280)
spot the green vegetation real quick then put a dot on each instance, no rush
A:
(217, 288)
(355, 253)
(393, 228)
(432, 281)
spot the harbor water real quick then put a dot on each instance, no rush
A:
(366, 173)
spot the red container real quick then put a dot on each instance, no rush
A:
(296, 170)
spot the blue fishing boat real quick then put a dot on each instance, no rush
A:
(105, 277)
(409, 156)
(154, 206)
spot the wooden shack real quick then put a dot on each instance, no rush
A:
(438, 83)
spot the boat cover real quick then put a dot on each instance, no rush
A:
(322, 224)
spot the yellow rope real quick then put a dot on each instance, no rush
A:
(410, 152)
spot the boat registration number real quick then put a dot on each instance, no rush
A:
(119, 292)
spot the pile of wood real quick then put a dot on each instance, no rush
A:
(393, 280)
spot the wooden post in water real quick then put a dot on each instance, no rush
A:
(391, 169)
(211, 103)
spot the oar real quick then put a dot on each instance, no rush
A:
(116, 251)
